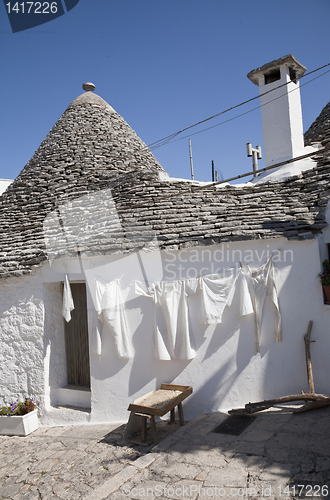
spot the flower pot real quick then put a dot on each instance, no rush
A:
(326, 291)
(19, 425)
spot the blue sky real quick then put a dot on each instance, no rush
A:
(163, 65)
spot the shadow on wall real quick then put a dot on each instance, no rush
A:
(146, 367)
(54, 339)
(215, 389)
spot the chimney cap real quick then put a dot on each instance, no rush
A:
(288, 60)
(88, 86)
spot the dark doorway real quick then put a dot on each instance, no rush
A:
(76, 339)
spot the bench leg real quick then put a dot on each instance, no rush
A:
(181, 417)
(144, 429)
(172, 416)
(153, 429)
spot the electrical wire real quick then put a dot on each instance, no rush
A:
(173, 137)
(145, 150)
(169, 138)
(246, 112)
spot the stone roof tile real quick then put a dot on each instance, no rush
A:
(319, 131)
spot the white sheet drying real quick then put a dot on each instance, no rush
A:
(220, 290)
(262, 284)
(172, 336)
(109, 305)
(239, 297)
(68, 304)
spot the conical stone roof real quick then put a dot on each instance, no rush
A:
(89, 147)
(319, 131)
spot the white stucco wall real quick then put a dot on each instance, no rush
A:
(227, 372)
(4, 183)
(54, 341)
(21, 339)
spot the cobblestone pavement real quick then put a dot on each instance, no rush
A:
(278, 456)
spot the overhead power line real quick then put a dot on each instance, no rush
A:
(246, 112)
(169, 138)
(161, 142)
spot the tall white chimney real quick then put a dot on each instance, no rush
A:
(281, 108)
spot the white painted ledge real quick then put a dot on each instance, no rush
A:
(71, 395)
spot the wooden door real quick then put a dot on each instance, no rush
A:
(76, 339)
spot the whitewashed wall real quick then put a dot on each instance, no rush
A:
(4, 183)
(227, 372)
(54, 342)
(21, 339)
(32, 348)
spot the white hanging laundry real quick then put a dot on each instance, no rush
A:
(239, 296)
(97, 294)
(172, 298)
(68, 304)
(97, 291)
(97, 341)
(263, 284)
(214, 293)
(172, 336)
(244, 292)
(109, 305)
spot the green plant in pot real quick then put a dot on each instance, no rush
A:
(19, 418)
(18, 408)
(325, 280)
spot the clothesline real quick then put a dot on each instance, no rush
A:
(234, 267)
(244, 294)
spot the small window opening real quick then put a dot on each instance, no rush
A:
(293, 75)
(272, 76)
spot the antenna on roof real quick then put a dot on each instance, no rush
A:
(256, 155)
(216, 174)
(191, 161)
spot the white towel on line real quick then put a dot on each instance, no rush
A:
(68, 304)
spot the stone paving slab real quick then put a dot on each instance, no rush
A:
(279, 456)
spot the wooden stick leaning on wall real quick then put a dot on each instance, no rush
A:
(314, 404)
(321, 399)
(312, 400)
(307, 340)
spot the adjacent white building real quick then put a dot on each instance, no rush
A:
(4, 183)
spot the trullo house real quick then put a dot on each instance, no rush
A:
(115, 278)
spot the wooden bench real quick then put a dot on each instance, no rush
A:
(158, 404)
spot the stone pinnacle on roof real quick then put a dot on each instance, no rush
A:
(88, 86)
